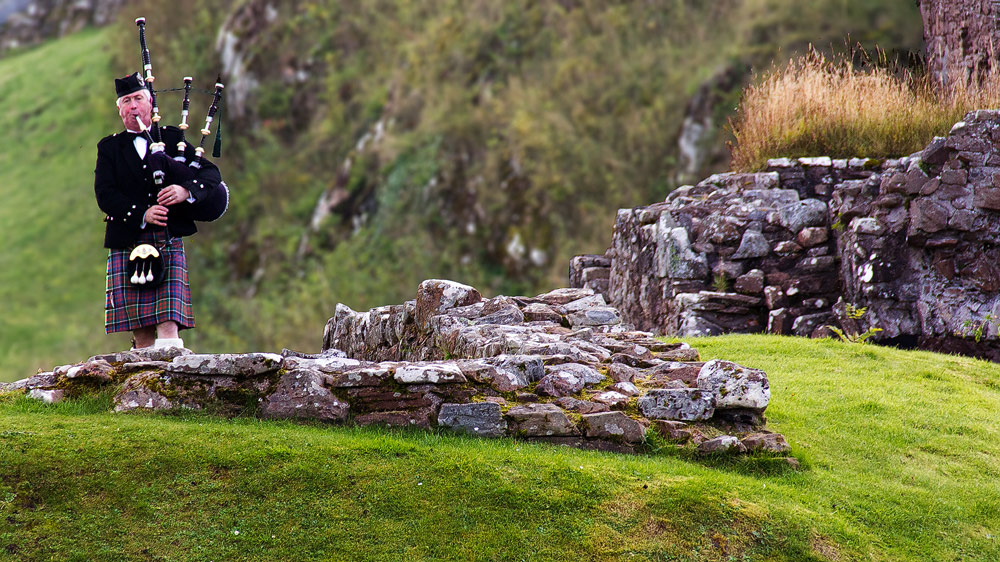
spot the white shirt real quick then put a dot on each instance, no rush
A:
(140, 146)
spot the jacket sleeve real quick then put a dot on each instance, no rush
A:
(114, 201)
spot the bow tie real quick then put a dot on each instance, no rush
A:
(133, 136)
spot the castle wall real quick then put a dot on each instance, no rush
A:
(914, 241)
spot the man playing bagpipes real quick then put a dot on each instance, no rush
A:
(153, 186)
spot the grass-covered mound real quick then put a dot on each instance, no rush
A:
(899, 451)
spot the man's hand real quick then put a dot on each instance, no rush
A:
(157, 214)
(172, 195)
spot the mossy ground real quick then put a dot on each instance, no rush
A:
(900, 461)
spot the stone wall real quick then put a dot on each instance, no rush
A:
(961, 38)
(913, 241)
(734, 253)
(559, 367)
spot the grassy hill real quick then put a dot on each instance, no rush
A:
(900, 457)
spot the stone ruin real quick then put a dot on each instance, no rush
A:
(913, 243)
(560, 368)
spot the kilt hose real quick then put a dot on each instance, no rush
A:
(127, 308)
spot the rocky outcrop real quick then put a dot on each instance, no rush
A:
(699, 147)
(901, 250)
(453, 360)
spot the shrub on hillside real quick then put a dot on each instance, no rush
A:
(820, 107)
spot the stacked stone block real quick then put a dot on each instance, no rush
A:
(734, 253)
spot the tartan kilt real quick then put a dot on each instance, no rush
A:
(127, 308)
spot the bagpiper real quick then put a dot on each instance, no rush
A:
(152, 185)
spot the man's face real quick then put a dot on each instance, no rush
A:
(134, 106)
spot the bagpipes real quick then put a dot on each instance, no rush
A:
(145, 260)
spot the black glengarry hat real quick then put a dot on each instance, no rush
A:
(129, 85)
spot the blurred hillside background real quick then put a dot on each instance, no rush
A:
(371, 145)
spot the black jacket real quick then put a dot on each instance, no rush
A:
(124, 187)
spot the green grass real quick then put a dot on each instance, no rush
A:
(900, 456)
(56, 102)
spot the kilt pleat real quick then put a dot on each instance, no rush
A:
(127, 308)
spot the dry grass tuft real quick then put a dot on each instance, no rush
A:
(820, 107)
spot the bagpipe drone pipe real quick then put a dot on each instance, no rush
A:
(183, 167)
(146, 262)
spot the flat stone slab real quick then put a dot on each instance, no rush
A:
(559, 384)
(595, 316)
(501, 379)
(51, 396)
(364, 376)
(735, 386)
(766, 442)
(585, 373)
(403, 418)
(230, 364)
(721, 444)
(611, 399)
(97, 370)
(140, 393)
(540, 420)
(509, 315)
(143, 366)
(41, 380)
(564, 295)
(681, 354)
(520, 369)
(302, 394)
(581, 406)
(685, 404)
(585, 303)
(428, 373)
(613, 425)
(626, 388)
(323, 364)
(481, 418)
(686, 373)
(620, 372)
(143, 354)
(539, 312)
